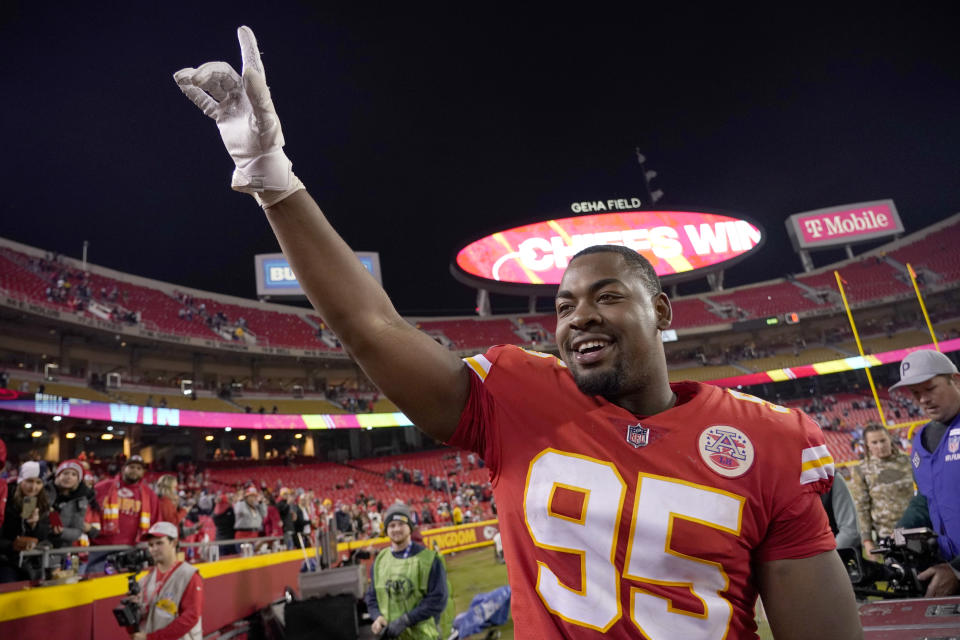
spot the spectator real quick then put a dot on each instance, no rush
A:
(882, 486)
(223, 519)
(73, 501)
(129, 505)
(426, 516)
(272, 525)
(343, 521)
(205, 503)
(376, 521)
(129, 508)
(26, 523)
(169, 499)
(287, 515)
(249, 514)
(301, 522)
(171, 509)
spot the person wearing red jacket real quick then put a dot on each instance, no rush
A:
(129, 505)
(128, 508)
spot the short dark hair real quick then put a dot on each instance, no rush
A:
(633, 259)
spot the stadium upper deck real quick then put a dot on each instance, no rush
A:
(32, 280)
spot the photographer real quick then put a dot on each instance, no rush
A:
(172, 593)
(935, 384)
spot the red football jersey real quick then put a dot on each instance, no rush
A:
(614, 524)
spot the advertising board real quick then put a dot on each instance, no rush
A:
(275, 277)
(843, 225)
(168, 417)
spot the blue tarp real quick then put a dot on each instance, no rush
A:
(489, 609)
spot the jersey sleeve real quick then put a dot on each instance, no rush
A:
(799, 527)
(476, 430)
(816, 463)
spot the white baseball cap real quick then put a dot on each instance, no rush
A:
(161, 529)
(922, 365)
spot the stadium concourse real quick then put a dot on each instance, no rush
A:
(224, 394)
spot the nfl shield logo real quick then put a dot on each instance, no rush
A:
(638, 435)
(953, 443)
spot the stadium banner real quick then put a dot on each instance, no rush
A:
(444, 539)
(42, 403)
(843, 225)
(275, 277)
(48, 404)
(831, 366)
(681, 245)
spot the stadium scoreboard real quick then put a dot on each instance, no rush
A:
(681, 245)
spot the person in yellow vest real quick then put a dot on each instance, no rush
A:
(171, 595)
(408, 586)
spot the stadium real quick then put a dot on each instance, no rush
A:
(192, 441)
(224, 392)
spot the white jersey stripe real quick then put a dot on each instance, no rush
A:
(479, 364)
(824, 472)
(814, 453)
(816, 464)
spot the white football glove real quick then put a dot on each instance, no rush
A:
(247, 120)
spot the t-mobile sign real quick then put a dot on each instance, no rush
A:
(846, 224)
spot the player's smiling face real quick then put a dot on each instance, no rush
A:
(608, 326)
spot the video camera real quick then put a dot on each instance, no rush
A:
(905, 554)
(130, 561)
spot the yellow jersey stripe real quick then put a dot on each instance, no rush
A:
(826, 461)
(480, 365)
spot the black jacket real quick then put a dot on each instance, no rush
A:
(14, 526)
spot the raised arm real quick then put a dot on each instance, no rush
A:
(428, 382)
(424, 379)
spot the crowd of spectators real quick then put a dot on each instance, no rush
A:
(357, 396)
(74, 288)
(85, 501)
(217, 321)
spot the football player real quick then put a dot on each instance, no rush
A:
(627, 505)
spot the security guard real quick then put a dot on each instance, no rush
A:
(408, 589)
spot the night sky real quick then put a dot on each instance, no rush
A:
(418, 130)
